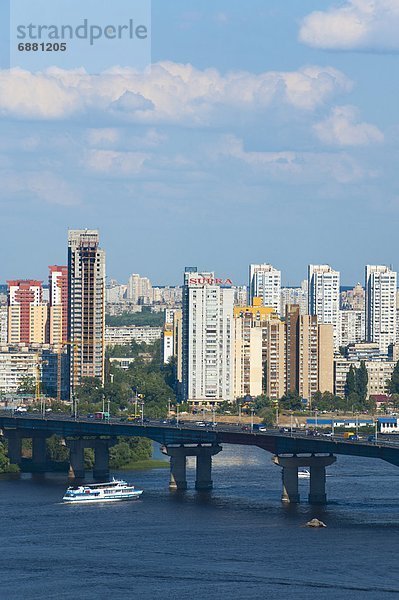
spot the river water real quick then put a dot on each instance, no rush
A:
(239, 542)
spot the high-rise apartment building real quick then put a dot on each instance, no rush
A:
(309, 352)
(207, 339)
(58, 309)
(3, 324)
(86, 306)
(265, 283)
(254, 354)
(295, 295)
(380, 285)
(323, 291)
(139, 289)
(27, 313)
(351, 327)
(353, 299)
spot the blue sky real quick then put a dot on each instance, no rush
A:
(265, 132)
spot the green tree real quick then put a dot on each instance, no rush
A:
(350, 384)
(268, 416)
(362, 379)
(56, 450)
(141, 318)
(291, 401)
(393, 384)
(26, 385)
(5, 465)
(328, 402)
(261, 402)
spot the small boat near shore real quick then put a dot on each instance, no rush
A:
(112, 491)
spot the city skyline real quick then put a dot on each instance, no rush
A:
(295, 132)
(223, 272)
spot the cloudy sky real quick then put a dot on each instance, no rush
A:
(266, 131)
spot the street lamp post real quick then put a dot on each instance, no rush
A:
(239, 412)
(108, 409)
(177, 414)
(277, 415)
(291, 422)
(213, 415)
(252, 419)
(142, 412)
(315, 419)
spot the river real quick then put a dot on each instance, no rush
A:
(238, 542)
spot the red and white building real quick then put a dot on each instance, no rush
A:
(27, 313)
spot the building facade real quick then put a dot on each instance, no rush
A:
(351, 327)
(27, 313)
(207, 339)
(309, 354)
(3, 324)
(86, 306)
(58, 308)
(265, 283)
(17, 367)
(124, 335)
(252, 336)
(379, 373)
(139, 289)
(295, 295)
(380, 285)
(324, 296)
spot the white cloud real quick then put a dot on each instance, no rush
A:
(108, 136)
(342, 129)
(357, 24)
(43, 185)
(292, 167)
(115, 163)
(170, 93)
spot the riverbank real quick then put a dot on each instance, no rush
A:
(141, 465)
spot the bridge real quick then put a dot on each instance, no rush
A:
(290, 450)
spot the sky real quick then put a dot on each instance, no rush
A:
(265, 131)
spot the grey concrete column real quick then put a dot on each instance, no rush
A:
(76, 458)
(178, 478)
(203, 479)
(317, 492)
(39, 450)
(317, 465)
(101, 459)
(14, 439)
(290, 493)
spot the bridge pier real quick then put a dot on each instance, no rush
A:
(317, 491)
(317, 465)
(14, 439)
(101, 458)
(76, 458)
(178, 460)
(203, 479)
(39, 451)
(290, 492)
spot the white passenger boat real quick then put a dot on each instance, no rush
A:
(111, 491)
(303, 474)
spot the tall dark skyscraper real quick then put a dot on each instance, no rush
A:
(86, 306)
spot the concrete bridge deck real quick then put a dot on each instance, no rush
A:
(272, 440)
(290, 449)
